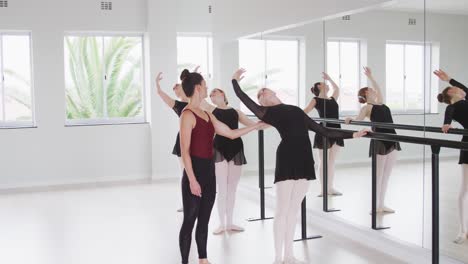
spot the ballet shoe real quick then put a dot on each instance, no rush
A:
(293, 260)
(334, 192)
(205, 262)
(379, 211)
(219, 230)
(236, 228)
(460, 239)
(388, 210)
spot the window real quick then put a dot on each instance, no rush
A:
(104, 79)
(193, 51)
(16, 99)
(405, 77)
(272, 63)
(344, 67)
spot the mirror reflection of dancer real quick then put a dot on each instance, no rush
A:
(377, 111)
(197, 129)
(294, 161)
(455, 97)
(229, 159)
(177, 106)
(327, 107)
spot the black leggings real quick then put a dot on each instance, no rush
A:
(197, 208)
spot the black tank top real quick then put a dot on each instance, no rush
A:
(228, 147)
(328, 108)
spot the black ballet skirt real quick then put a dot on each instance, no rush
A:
(327, 108)
(178, 107)
(225, 148)
(459, 112)
(382, 114)
(294, 160)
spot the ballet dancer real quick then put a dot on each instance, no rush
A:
(229, 158)
(294, 161)
(377, 111)
(177, 106)
(327, 107)
(455, 97)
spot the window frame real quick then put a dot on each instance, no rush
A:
(362, 55)
(209, 46)
(300, 64)
(112, 120)
(427, 87)
(17, 124)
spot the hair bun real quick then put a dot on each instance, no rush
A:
(440, 98)
(185, 73)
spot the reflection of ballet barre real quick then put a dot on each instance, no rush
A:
(455, 131)
(435, 144)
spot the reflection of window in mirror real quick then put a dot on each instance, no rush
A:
(195, 49)
(406, 91)
(16, 97)
(273, 63)
(345, 58)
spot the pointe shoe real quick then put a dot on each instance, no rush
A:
(205, 262)
(334, 192)
(293, 260)
(388, 210)
(460, 239)
(219, 230)
(236, 228)
(379, 211)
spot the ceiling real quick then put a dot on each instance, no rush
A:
(434, 6)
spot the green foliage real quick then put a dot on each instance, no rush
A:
(87, 94)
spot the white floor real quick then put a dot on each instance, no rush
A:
(138, 224)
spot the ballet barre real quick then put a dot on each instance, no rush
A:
(261, 177)
(436, 145)
(455, 131)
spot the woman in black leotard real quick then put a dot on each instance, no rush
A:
(377, 111)
(327, 107)
(294, 161)
(177, 106)
(197, 129)
(456, 97)
(229, 158)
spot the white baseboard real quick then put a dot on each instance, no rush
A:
(406, 252)
(73, 184)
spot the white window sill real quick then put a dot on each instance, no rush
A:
(103, 122)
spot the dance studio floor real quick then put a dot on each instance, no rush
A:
(405, 194)
(138, 224)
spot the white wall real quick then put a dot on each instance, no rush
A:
(52, 153)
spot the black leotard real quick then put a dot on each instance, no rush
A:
(327, 108)
(459, 112)
(225, 148)
(382, 114)
(178, 107)
(294, 159)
